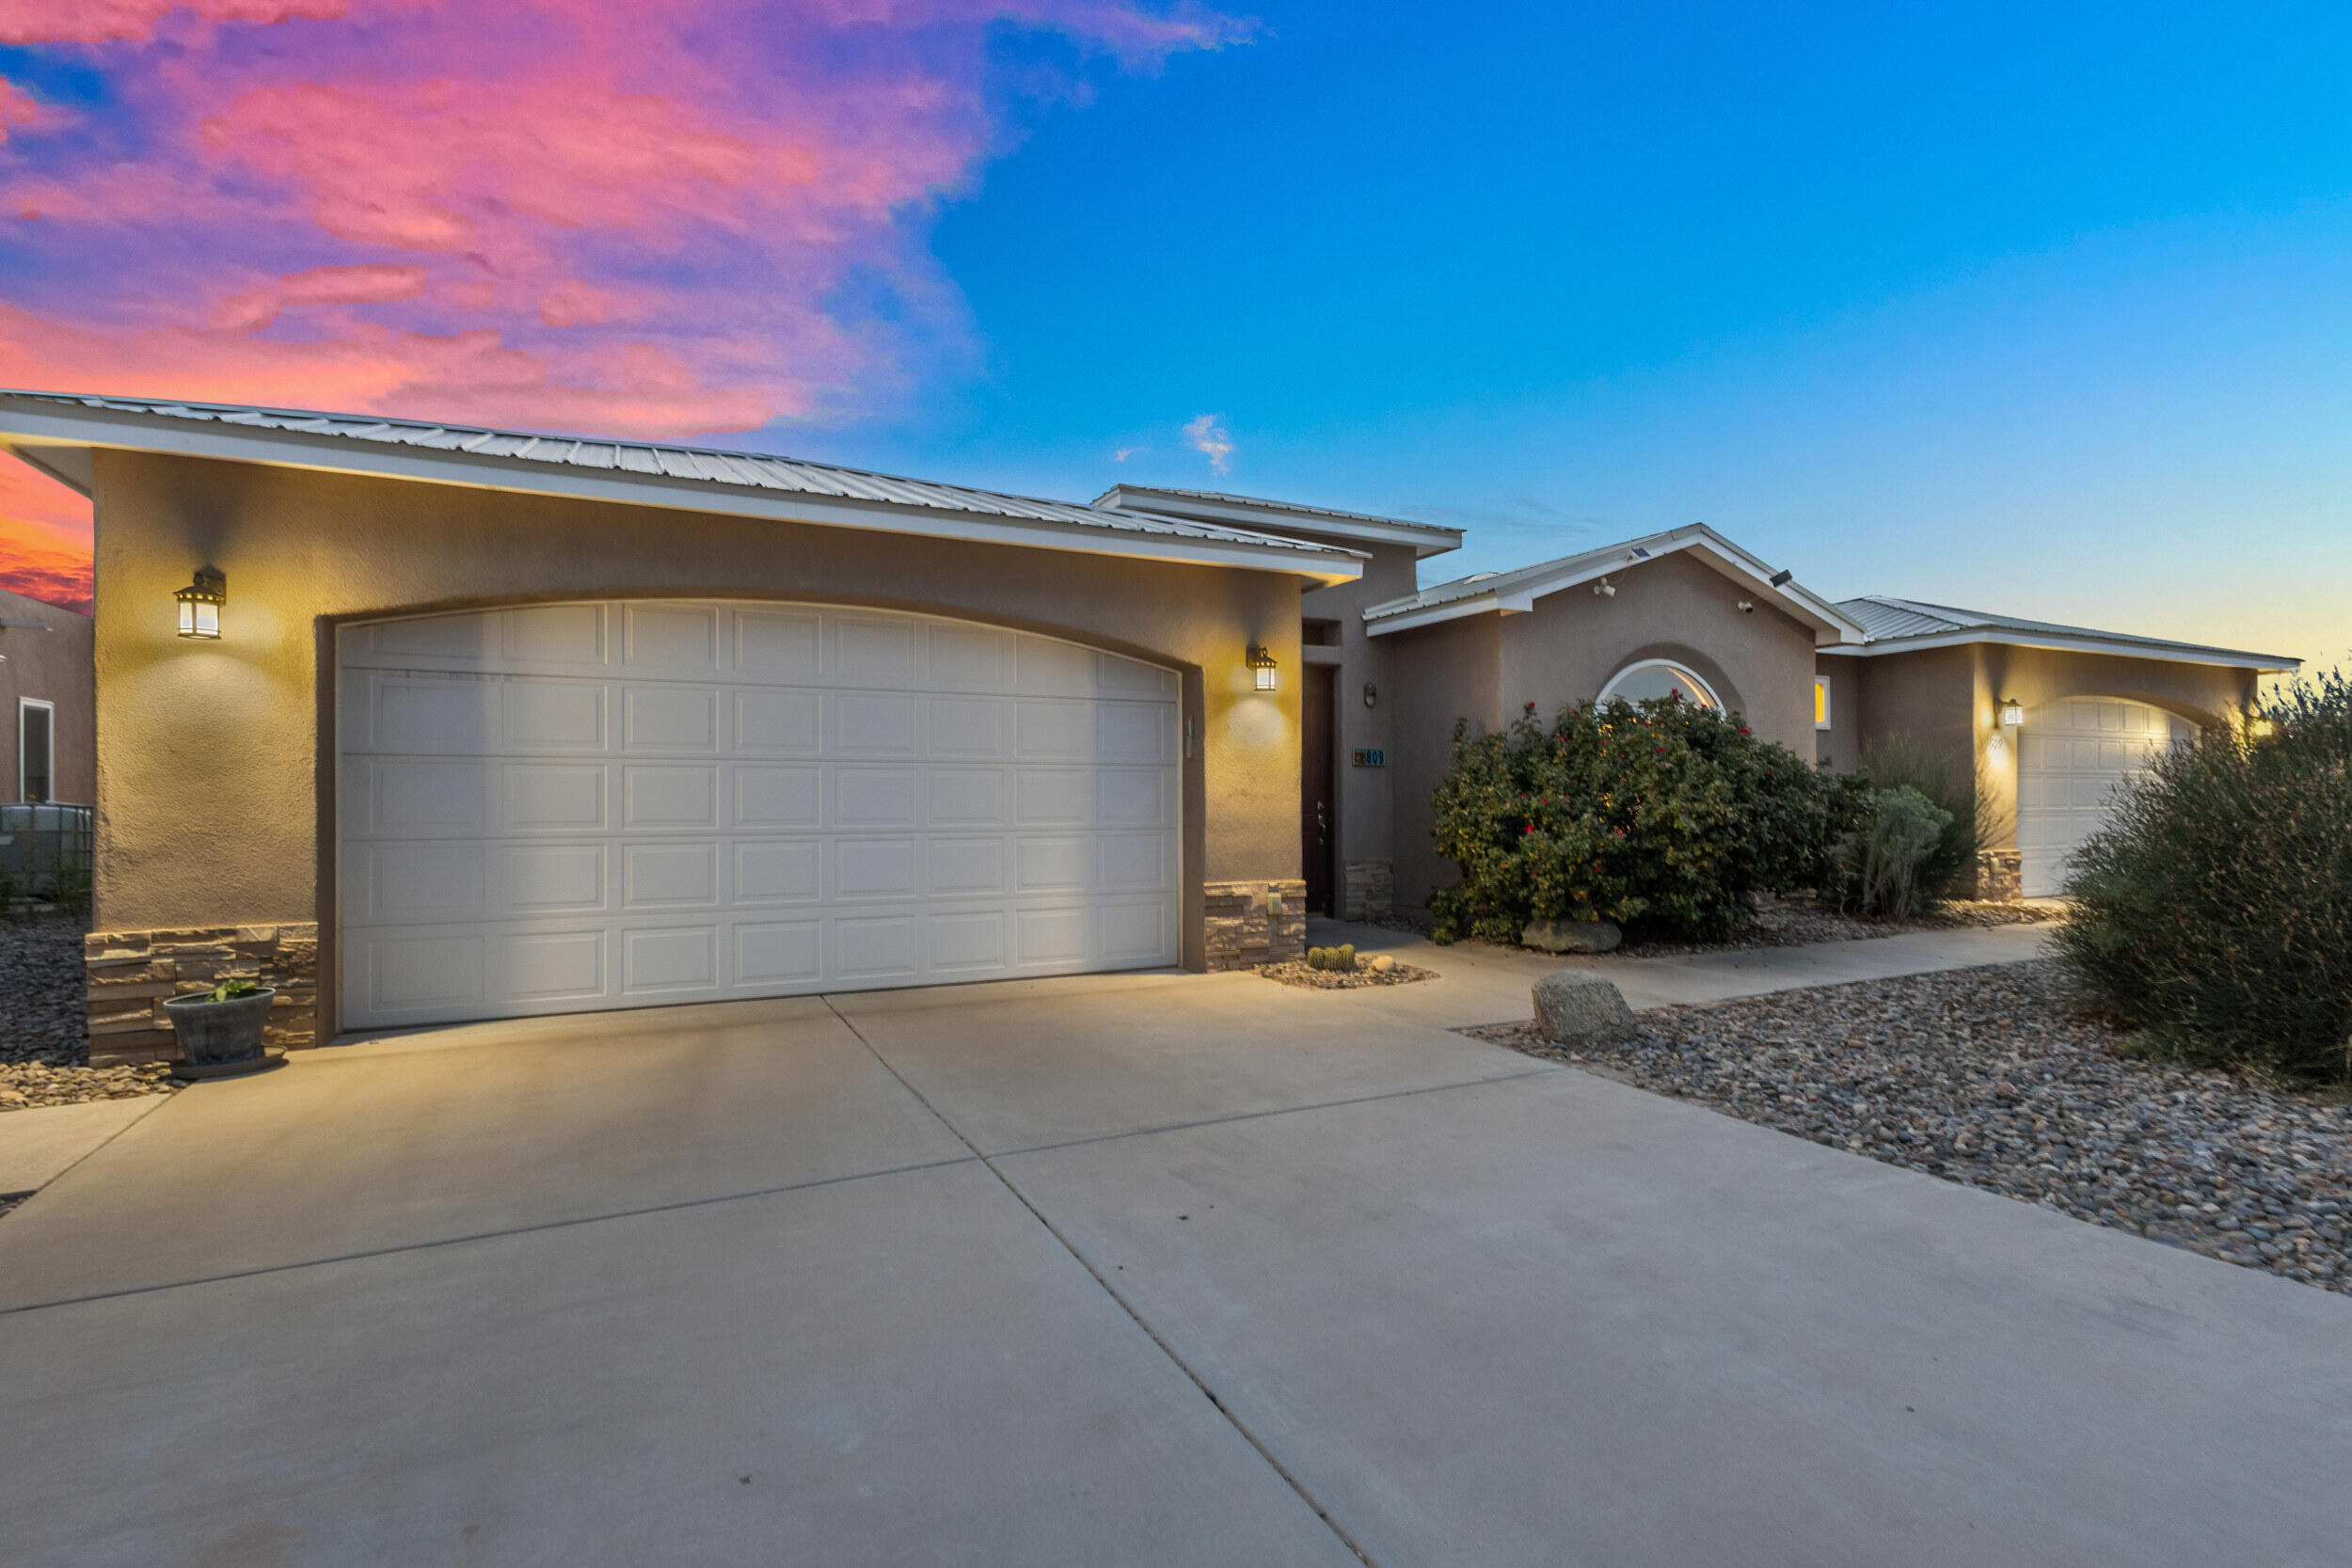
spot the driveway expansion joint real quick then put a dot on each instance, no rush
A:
(1257, 1445)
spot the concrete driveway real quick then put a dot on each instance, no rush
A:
(1161, 1269)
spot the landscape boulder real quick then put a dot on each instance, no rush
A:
(1571, 936)
(1578, 1007)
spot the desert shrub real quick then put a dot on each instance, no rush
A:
(1901, 762)
(2214, 907)
(69, 887)
(1897, 839)
(1341, 958)
(1665, 818)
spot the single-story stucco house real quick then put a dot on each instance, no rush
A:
(2048, 719)
(47, 751)
(423, 723)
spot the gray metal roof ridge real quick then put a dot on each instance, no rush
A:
(1952, 620)
(1301, 507)
(705, 464)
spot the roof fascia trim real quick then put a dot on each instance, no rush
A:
(2122, 647)
(1280, 519)
(24, 432)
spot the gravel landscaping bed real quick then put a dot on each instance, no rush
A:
(1991, 1078)
(1297, 972)
(44, 1046)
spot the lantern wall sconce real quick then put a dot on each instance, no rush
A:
(1263, 664)
(2012, 714)
(199, 605)
(1371, 695)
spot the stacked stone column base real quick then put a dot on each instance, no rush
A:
(1998, 877)
(130, 974)
(1367, 891)
(1251, 924)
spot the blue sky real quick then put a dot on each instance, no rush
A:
(2039, 312)
(2035, 309)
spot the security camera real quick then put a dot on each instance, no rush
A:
(1747, 607)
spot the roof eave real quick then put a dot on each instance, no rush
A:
(2122, 647)
(1426, 538)
(42, 436)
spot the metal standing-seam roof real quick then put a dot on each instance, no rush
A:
(743, 470)
(1899, 625)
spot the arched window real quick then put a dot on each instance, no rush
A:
(1660, 677)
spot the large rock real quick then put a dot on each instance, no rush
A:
(1571, 936)
(1578, 1007)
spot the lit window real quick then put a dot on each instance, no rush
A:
(1821, 701)
(1658, 677)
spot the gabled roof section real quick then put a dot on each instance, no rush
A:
(1514, 592)
(57, 432)
(1325, 522)
(1905, 625)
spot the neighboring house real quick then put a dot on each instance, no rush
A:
(498, 724)
(48, 751)
(423, 723)
(2050, 719)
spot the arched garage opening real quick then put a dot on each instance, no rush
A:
(2073, 755)
(568, 807)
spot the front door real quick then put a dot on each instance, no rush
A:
(1318, 801)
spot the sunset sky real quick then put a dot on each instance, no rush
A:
(1997, 305)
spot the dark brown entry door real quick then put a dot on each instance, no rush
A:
(1318, 767)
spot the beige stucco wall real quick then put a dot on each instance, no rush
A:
(1947, 700)
(51, 662)
(1488, 668)
(211, 769)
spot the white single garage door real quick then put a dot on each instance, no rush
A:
(566, 807)
(2071, 756)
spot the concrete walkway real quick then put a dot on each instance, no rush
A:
(1157, 1269)
(39, 1145)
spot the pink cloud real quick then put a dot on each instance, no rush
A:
(625, 217)
(44, 537)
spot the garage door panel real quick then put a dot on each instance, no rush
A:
(779, 723)
(553, 634)
(972, 728)
(668, 797)
(964, 867)
(778, 647)
(872, 724)
(561, 807)
(659, 637)
(785, 871)
(671, 719)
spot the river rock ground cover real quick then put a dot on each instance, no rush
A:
(44, 1043)
(1996, 1078)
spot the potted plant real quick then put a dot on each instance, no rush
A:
(221, 1030)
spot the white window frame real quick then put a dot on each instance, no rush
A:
(23, 707)
(1823, 713)
(1608, 687)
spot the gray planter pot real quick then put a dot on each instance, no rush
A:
(218, 1039)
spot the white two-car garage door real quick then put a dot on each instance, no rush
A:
(559, 808)
(2072, 757)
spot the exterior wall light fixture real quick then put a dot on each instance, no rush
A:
(1604, 589)
(1371, 695)
(199, 605)
(2012, 714)
(1262, 662)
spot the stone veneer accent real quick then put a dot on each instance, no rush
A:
(1255, 922)
(1368, 891)
(2000, 877)
(131, 972)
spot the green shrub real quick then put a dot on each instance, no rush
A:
(69, 887)
(1900, 762)
(1665, 818)
(1341, 958)
(1899, 834)
(2214, 907)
